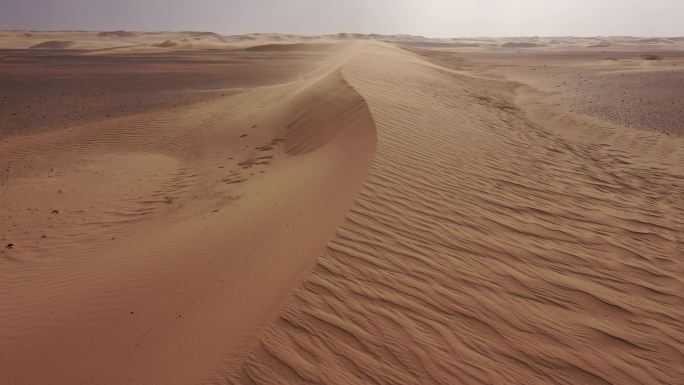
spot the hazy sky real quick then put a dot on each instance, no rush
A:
(435, 18)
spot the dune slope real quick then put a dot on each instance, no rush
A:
(154, 248)
(492, 243)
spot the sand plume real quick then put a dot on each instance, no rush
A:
(338, 109)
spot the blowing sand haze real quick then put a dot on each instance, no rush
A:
(202, 208)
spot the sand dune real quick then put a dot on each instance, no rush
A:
(54, 44)
(512, 44)
(116, 34)
(120, 230)
(290, 47)
(167, 43)
(344, 213)
(490, 246)
(654, 41)
(200, 33)
(603, 44)
(442, 44)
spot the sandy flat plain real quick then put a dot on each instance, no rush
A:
(191, 208)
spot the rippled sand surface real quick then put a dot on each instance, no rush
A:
(335, 212)
(493, 243)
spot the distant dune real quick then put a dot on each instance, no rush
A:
(440, 44)
(289, 47)
(200, 34)
(348, 36)
(117, 34)
(54, 44)
(167, 43)
(653, 41)
(603, 44)
(512, 44)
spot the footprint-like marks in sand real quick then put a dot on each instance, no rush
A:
(237, 176)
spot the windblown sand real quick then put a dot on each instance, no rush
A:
(348, 211)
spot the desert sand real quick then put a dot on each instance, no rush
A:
(191, 208)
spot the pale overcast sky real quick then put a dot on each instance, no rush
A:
(434, 18)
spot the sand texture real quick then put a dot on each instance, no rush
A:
(347, 209)
(489, 248)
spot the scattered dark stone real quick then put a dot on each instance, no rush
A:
(9, 245)
(243, 135)
(55, 211)
(132, 312)
(254, 126)
(43, 236)
(215, 211)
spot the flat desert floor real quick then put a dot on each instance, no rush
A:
(191, 208)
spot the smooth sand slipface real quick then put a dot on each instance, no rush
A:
(496, 238)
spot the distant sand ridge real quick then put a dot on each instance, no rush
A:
(387, 209)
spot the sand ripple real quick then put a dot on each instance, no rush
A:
(489, 248)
